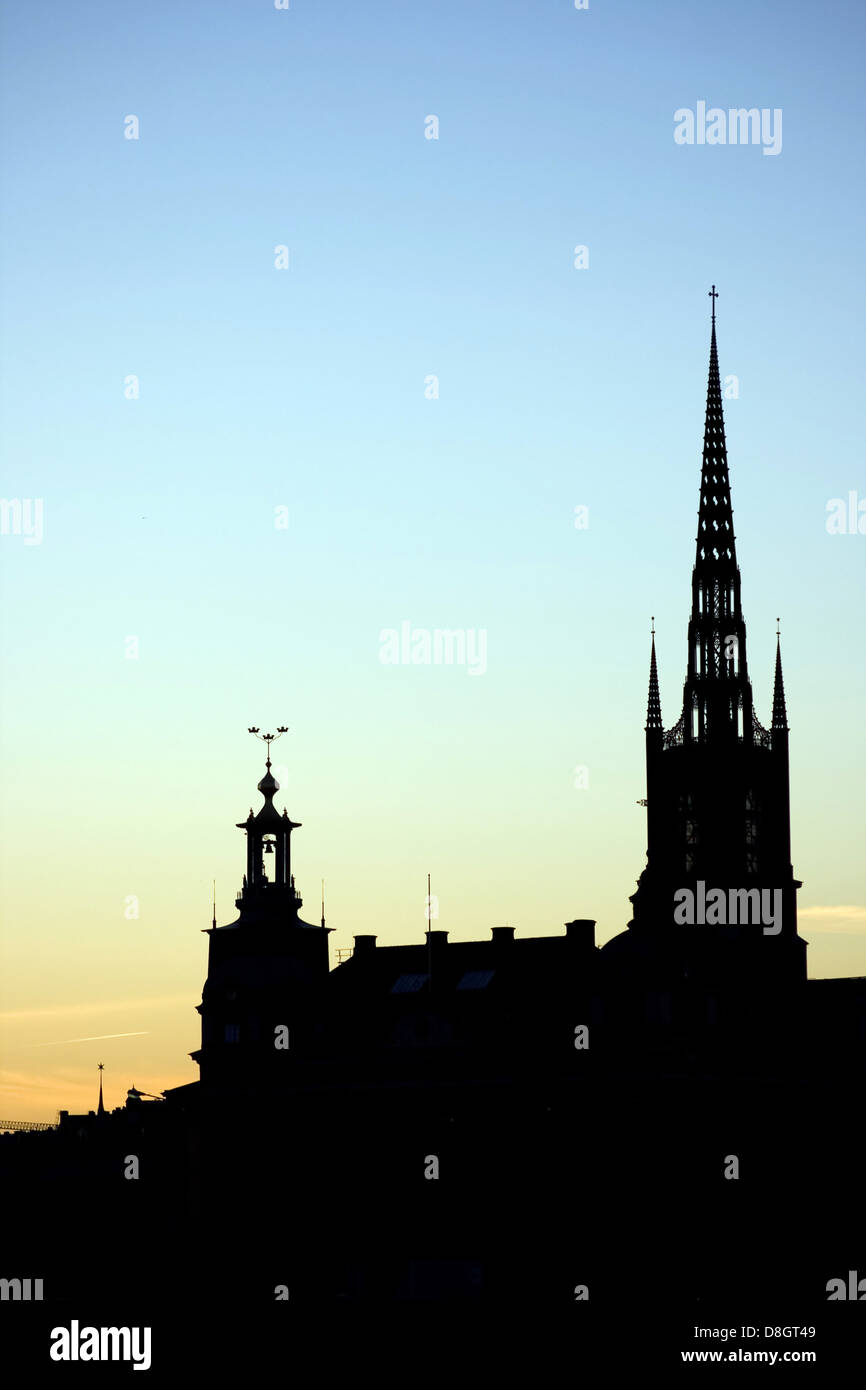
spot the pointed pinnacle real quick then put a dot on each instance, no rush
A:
(780, 714)
(715, 514)
(654, 704)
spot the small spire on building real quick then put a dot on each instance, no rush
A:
(654, 704)
(100, 1109)
(780, 715)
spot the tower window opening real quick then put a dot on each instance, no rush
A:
(689, 826)
(751, 828)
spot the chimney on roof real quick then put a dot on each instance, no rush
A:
(581, 933)
(436, 938)
(502, 933)
(364, 944)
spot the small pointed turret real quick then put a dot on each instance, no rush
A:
(654, 704)
(780, 714)
(100, 1109)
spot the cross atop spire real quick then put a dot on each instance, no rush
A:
(714, 294)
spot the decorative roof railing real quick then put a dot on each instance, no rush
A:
(761, 737)
(674, 736)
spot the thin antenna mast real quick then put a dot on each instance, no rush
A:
(429, 939)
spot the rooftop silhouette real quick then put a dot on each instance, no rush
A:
(510, 1119)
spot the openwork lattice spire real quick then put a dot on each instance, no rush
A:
(715, 515)
(717, 696)
(654, 704)
(780, 714)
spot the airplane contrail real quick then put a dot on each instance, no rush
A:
(99, 1038)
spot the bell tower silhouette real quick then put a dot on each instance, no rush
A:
(265, 970)
(718, 811)
(268, 833)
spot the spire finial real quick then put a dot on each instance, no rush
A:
(101, 1107)
(777, 628)
(714, 294)
(269, 739)
(653, 621)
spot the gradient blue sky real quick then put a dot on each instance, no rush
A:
(305, 388)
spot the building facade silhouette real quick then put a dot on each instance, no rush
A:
(537, 1120)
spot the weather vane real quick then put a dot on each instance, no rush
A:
(269, 738)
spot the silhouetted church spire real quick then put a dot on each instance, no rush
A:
(717, 782)
(100, 1109)
(717, 695)
(715, 516)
